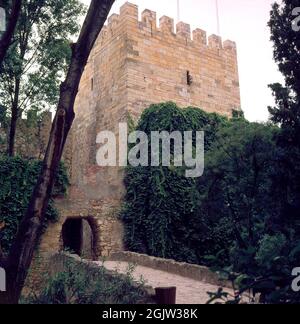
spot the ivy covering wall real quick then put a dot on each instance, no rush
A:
(161, 202)
(17, 179)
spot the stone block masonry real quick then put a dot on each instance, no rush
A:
(134, 63)
(159, 61)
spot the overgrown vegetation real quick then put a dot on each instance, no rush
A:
(17, 179)
(160, 212)
(75, 285)
(244, 199)
(231, 219)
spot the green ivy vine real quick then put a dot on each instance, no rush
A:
(17, 179)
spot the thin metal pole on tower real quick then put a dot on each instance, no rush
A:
(178, 10)
(218, 18)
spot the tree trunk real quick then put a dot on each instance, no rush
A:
(21, 254)
(14, 119)
(12, 132)
(5, 41)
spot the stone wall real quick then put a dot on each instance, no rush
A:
(168, 63)
(191, 271)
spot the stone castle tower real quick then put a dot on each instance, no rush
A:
(134, 63)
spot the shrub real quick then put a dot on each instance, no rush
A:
(75, 285)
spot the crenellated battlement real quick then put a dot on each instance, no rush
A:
(156, 60)
(129, 15)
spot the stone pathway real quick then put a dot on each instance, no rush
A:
(188, 291)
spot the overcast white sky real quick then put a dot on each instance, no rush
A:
(243, 21)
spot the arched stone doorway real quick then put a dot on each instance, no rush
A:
(80, 236)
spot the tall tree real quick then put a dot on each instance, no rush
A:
(6, 38)
(21, 254)
(286, 41)
(38, 58)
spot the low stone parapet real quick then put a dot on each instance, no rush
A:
(191, 271)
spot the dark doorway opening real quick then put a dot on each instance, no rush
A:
(78, 237)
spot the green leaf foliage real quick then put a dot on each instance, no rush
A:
(231, 218)
(79, 284)
(39, 55)
(160, 210)
(17, 179)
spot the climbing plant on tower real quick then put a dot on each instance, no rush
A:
(160, 205)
